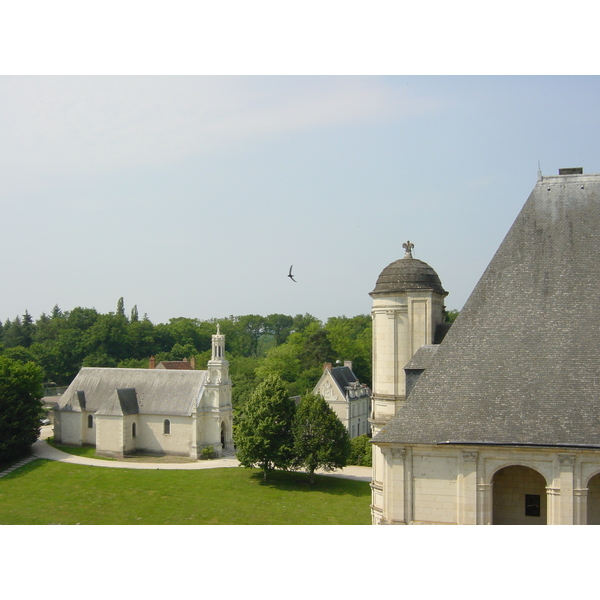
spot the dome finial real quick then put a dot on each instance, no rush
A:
(408, 246)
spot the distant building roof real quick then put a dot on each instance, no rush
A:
(127, 391)
(181, 365)
(521, 364)
(343, 376)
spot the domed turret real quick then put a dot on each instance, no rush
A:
(408, 274)
(408, 308)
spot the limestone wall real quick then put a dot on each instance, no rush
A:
(484, 485)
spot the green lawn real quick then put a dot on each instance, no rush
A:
(48, 492)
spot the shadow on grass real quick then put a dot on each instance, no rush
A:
(24, 470)
(295, 481)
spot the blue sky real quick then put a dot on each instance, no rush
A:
(191, 196)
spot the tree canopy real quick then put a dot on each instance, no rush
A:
(320, 439)
(20, 407)
(263, 433)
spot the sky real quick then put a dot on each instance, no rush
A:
(193, 195)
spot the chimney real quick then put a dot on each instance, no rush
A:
(571, 171)
(327, 367)
(348, 363)
(152, 364)
(193, 362)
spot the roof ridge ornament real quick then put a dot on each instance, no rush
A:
(408, 246)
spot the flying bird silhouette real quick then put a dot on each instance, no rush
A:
(291, 276)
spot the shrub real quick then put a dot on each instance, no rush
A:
(360, 452)
(207, 453)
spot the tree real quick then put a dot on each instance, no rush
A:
(320, 438)
(360, 454)
(121, 306)
(20, 407)
(263, 435)
(279, 326)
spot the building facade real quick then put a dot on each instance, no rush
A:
(349, 399)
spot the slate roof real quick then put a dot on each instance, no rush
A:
(521, 363)
(128, 391)
(407, 274)
(343, 376)
(182, 365)
(422, 358)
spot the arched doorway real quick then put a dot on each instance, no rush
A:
(223, 435)
(519, 497)
(593, 501)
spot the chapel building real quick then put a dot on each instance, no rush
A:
(500, 423)
(171, 411)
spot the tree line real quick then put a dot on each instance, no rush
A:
(293, 347)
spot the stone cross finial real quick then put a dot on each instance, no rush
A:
(408, 247)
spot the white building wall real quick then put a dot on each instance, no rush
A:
(109, 435)
(71, 430)
(152, 439)
(89, 433)
(454, 485)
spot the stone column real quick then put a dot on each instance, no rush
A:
(580, 506)
(394, 485)
(567, 462)
(553, 505)
(484, 503)
(467, 489)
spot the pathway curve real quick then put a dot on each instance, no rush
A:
(41, 449)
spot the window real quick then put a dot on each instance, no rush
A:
(532, 505)
(90, 421)
(133, 430)
(167, 427)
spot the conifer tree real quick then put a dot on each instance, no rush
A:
(263, 435)
(320, 439)
(20, 407)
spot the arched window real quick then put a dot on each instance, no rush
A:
(90, 421)
(133, 430)
(167, 426)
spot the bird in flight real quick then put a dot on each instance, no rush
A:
(291, 276)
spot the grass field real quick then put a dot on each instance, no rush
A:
(47, 492)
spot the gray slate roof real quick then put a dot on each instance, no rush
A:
(129, 391)
(423, 357)
(521, 364)
(343, 376)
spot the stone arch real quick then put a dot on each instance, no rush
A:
(223, 434)
(593, 500)
(519, 496)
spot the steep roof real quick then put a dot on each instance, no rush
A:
(521, 364)
(422, 358)
(120, 391)
(343, 376)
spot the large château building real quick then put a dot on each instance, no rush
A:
(501, 423)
